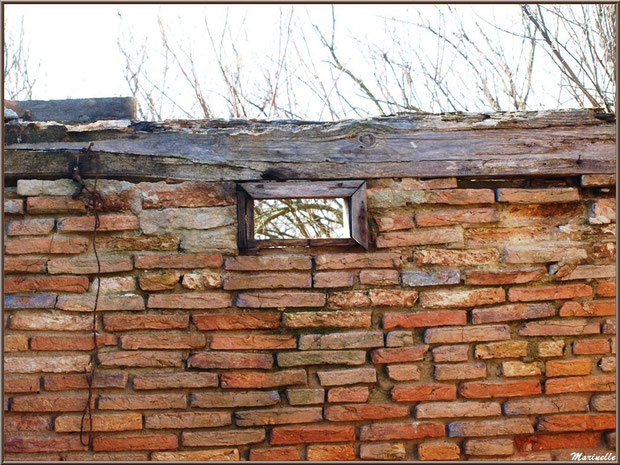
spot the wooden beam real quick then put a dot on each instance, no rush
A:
(523, 144)
(82, 110)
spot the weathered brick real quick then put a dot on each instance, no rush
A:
(591, 272)
(311, 434)
(457, 409)
(201, 218)
(547, 404)
(235, 321)
(602, 211)
(511, 369)
(71, 382)
(356, 340)
(373, 297)
(509, 276)
(383, 451)
(399, 354)
(159, 282)
(13, 206)
(302, 396)
(581, 384)
(202, 281)
(141, 401)
(15, 343)
(268, 454)
(147, 358)
(266, 263)
(394, 223)
(21, 383)
(421, 392)
(183, 420)
(179, 261)
(175, 381)
(424, 319)
(329, 452)
(401, 431)
(348, 394)
(101, 422)
(512, 312)
(462, 298)
(609, 327)
(234, 399)
(30, 301)
(404, 372)
(590, 308)
(456, 216)
(39, 444)
(460, 371)
(607, 364)
(450, 353)
(33, 227)
(65, 342)
(399, 339)
(459, 196)
(544, 253)
(20, 265)
(114, 285)
(568, 291)
(420, 237)
(492, 390)
(112, 322)
(488, 446)
(603, 402)
(591, 346)
(278, 416)
(413, 183)
(88, 265)
(46, 364)
(321, 357)
(187, 194)
(46, 245)
(168, 340)
(345, 261)
(106, 223)
(575, 367)
(49, 403)
(253, 342)
(223, 437)
(337, 319)
(357, 412)
(47, 321)
(329, 279)
(198, 455)
(190, 300)
(478, 428)
(230, 360)
(448, 257)
(275, 299)
(438, 450)
(379, 277)
(577, 422)
(559, 328)
(433, 278)
(136, 442)
(54, 204)
(86, 303)
(549, 195)
(106, 456)
(22, 422)
(33, 187)
(550, 348)
(476, 237)
(596, 180)
(268, 281)
(263, 380)
(349, 376)
(558, 441)
(125, 242)
(604, 289)
(504, 349)
(466, 334)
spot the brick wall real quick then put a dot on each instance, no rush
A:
(479, 325)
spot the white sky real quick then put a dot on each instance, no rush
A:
(76, 45)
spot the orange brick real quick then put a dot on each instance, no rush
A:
(136, 442)
(329, 452)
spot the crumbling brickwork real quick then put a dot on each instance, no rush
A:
(480, 324)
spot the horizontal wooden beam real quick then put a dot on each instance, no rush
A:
(522, 144)
(80, 110)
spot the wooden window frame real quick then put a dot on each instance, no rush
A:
(353, 192)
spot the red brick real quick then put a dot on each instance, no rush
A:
(263, 380)
(230, 360)
(278, 416)
(357, 412)
(460, 371)
(54, 204)
(223, 437)
(34, 227)
(604, 289)
(591, 346)
(190, 300)
(253, 342)
(548, 195)
(345, 261)
(399, 354)
(266, 263)
(175, 381)
(38, 444)
(136, 442)
(559, 328)
(591, 308)
(88, 265)
(438, 450)
(337, 319)
(462, 298)
(329, 452)
(401, 431)
(139, 322)
(141, 401)
(509, 276)
(28, 265)
(101, 422)
(147, 358)
(568, 291)
(78, 381)
(275, 299)
(419, 237)
(188, 194)
(424, 319)
(512, 312)
(46, 245)
(22, 422)
(20, 383)
(575, 367)
(325, 279)
(49, 403)
(310, 434)
(457, 409)
(558, 441)
(447, 257)
(71, 342)
(421, 392)
(466, 334)
(348, 394)
(182, 420)
(46, 283)
(488, 447)
(270, 454)
(373, 297)
(47, 321)
(207, 399)
(379, 277)
(491, 390)
(268, 281)
(179, 261)
(605, 383)
(106, 223)
(235, 321)
(168, 340)
(577, 422)
(159, 282)
(394, 223)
